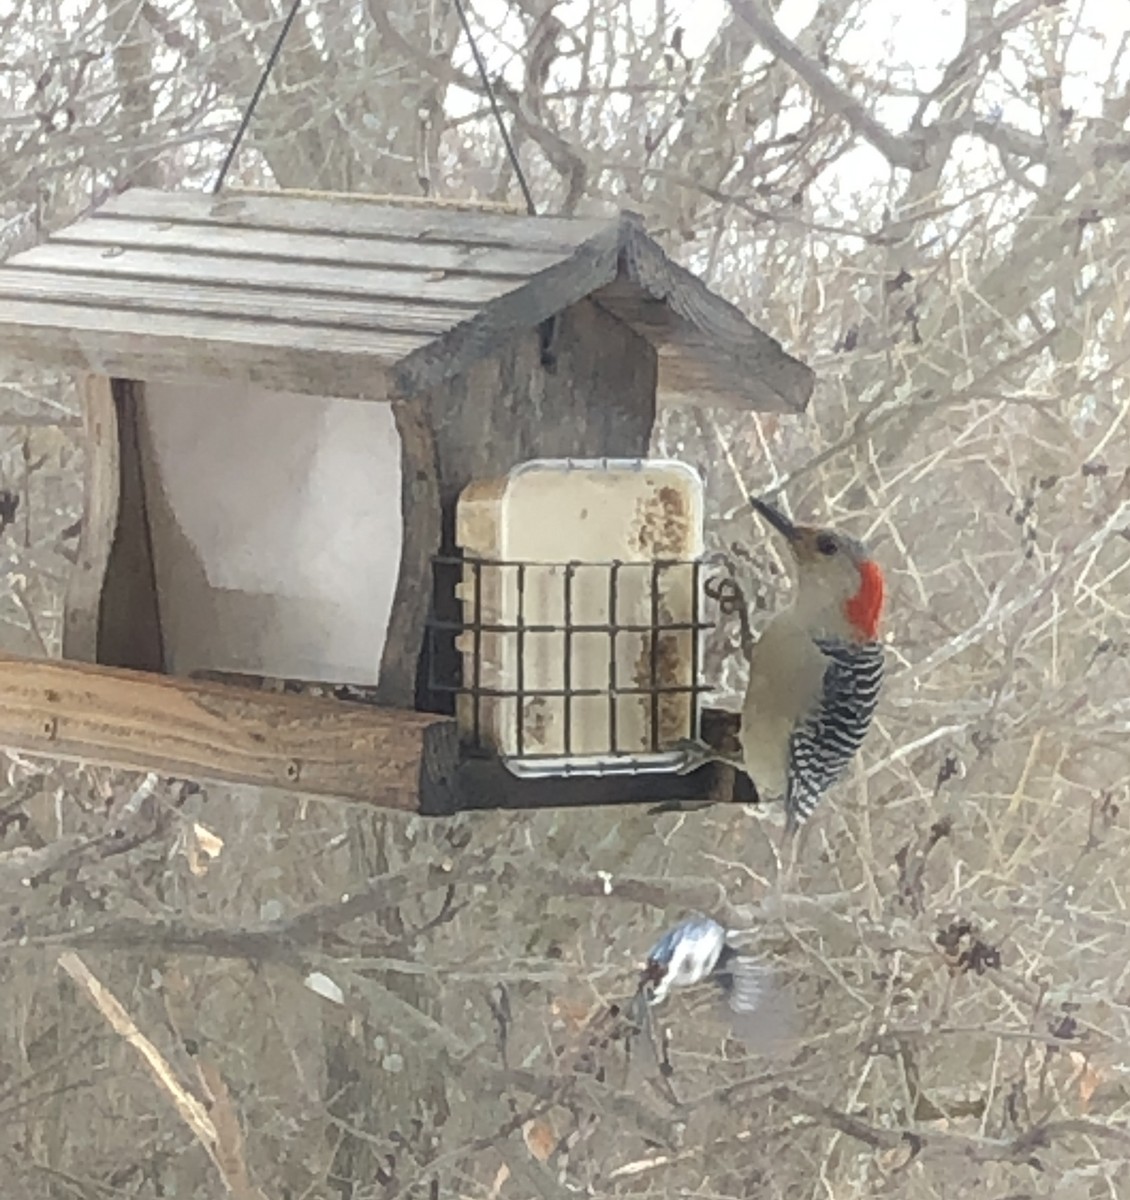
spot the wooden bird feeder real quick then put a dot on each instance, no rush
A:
(286, 395)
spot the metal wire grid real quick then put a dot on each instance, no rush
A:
(449, 571)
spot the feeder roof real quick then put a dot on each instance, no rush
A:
(362, 297)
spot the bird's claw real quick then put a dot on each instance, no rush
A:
(695, 754)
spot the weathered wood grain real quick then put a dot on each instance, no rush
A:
(706, 342)
(422, 526)
(232, 300)
(214, 732)
(707, 347)
(708, 351)
(495, 327)
(129, 612)
(283, 276)
(396, 199)
(503, 262)
(102, 488)
(172, 347)
(593, 395)
(356, 216)
(333, 291)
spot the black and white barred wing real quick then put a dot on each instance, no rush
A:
(828, 738)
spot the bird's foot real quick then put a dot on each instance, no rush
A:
(697, 754)
(694, 754)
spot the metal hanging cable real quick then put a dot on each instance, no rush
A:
(480, 64)
(511, 153)
(249, 112)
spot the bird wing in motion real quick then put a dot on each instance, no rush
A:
(747, 981)
(828, 738)
(761, 1009)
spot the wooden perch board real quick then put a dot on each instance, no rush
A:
(186, 729)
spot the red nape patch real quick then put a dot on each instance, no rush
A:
(866, 607)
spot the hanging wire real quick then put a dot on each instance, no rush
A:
(480, 63)
(512, 154)
(249, 112)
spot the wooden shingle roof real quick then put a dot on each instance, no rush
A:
(349, 296)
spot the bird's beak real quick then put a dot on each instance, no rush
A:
(778, 520)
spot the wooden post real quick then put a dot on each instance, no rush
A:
(99, 521)
(129, 620)
(188, 729)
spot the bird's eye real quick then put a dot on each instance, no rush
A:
(827, 544)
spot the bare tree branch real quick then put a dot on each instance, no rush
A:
(908, 153)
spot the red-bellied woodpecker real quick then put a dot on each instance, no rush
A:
(815, 671)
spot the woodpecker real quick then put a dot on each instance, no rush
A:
(815, 672)
(760, 1009)
(697, 949)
